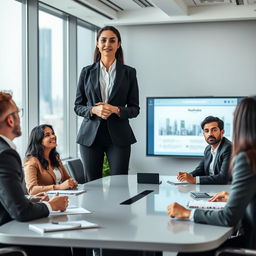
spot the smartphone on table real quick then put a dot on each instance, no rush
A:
(200, 195)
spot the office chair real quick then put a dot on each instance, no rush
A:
(235, 252)
(76, 170)
(16, 250)
(67, 168)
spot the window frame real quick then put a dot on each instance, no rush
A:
(30, 70)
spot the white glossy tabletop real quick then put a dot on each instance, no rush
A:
(143, 225)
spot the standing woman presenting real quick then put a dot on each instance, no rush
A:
(107, 96)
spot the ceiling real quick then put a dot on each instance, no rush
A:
(137, 12)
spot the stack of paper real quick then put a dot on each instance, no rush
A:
(206, 205)
(61, 226)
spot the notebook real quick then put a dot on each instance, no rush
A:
(61, 226)
(206, 205)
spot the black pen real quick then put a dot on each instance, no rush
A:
(72, 224)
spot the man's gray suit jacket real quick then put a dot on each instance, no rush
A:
(13, 203)
(241, 204)
(220, 167)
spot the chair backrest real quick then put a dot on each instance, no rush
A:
(234, 251)
(67, 168)
(24, 184)
(76, 170)
(12, 251)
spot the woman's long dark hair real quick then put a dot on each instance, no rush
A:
(36, 149)
(119, 53)
(244, 132)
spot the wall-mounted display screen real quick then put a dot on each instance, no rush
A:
(173, 123)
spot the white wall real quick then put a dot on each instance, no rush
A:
(196, 59)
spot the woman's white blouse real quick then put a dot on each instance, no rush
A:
(57, 175)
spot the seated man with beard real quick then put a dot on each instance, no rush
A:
(213, 168)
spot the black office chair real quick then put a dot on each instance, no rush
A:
(67, 168)
(13, 249)
(234, 252)
(76, 170)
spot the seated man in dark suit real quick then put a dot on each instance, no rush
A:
(213, 168)
(13, 202)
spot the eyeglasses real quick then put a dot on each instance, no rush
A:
(19, 111)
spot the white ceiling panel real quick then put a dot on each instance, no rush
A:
(214, 2)
(172, 8)
(127, 5)
(134, 12)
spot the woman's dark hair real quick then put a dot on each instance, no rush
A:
(210, 119)
(36, 149)
(119, 53)
(244, 131)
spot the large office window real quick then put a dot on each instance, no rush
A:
(85, 48)
(52, 103)
(53, 75)
(11, 61)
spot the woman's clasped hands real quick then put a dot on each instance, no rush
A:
(104, 110)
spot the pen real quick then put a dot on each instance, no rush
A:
(72, 224)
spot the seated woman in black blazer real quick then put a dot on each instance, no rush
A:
(241, 203)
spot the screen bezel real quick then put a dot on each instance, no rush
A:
(177, 97)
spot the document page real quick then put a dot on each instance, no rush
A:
(70, 211)
(173, 180)
(67, 192)
(206, 205)
(61, 226)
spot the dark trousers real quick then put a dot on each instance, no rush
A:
(93, 156)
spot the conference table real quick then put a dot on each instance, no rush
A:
(142, 225)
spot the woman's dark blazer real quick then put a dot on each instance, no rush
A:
(241, 204)
(125, 95)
